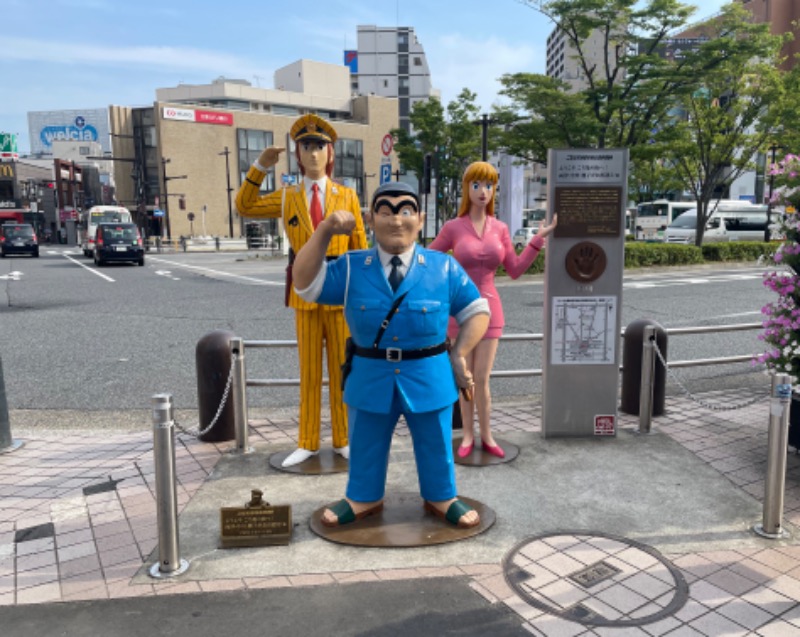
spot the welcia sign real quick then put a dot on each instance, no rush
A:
(80, 131)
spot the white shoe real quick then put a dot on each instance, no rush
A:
(344, 452)
(297, 456)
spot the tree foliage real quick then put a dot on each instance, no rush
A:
(450, 135)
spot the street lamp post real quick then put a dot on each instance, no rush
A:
(226, 152)
(484, 122)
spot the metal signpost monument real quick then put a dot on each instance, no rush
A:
(583, 294)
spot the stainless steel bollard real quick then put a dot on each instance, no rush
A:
(239, 396)
(7, 443)
(169, 563)
(648, 375)
(777, 447)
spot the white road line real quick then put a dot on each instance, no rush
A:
(218, 272)
(92, 270)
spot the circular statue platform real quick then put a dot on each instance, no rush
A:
(326, 461)
(402, 523)
(479, 458)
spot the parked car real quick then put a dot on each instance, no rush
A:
(18, 238)
(118, 242)
(522, 237)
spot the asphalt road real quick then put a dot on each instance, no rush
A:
(77, 337)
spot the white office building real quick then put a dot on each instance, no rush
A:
(390, 62)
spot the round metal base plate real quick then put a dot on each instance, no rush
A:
(326, 461)
(758, 529)
(15, 444)
(479, 458)
(402, 523)
(155, 570)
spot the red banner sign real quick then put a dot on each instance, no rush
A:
(213, 117)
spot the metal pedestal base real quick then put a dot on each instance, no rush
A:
(155, 570)
(326, 461)
(402, 523)
(758, 529)
(15, 444)
(479, 458)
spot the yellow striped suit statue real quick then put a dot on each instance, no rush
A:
(301, 208)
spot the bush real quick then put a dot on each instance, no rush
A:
(639, 255)
(739, 250)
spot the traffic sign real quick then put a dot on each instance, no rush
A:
(387, 144)
(386, 173)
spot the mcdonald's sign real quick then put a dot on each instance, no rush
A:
(7, 171)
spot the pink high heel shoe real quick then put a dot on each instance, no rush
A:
(463, 452)
(493, 450)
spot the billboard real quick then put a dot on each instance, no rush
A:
(8, 147)
(83, 125)
(351, 60)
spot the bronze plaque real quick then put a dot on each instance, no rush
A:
(585, 261)
(257, 523)
(588, 211)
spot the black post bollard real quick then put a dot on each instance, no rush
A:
(6, 442)
(213, 359)
(632, 368)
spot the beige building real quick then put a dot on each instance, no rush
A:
(203, 138)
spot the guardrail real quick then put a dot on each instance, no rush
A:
(523, 373)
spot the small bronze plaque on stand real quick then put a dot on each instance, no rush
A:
(257, 523)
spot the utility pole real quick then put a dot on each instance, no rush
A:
(226, 152)
(484, 122)
(164, 162)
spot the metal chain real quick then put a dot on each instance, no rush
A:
(225, 393)
(702, 403)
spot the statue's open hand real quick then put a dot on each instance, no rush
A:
(546, 228)
(586, 261)
(269, 156)
(340, 222)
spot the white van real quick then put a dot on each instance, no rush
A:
(96, 215)
(731, 221)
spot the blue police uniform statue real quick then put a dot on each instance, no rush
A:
(400, 364)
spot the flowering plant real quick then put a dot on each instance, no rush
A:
(782, 317)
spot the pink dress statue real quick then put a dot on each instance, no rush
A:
(481, 256)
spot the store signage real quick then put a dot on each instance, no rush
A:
(7, 204)
(7, 170)
(198, 116)
(79, 131)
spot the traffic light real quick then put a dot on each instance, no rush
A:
(426, 175)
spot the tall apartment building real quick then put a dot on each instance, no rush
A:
(780, 14)
(391, 62)
(561, 58)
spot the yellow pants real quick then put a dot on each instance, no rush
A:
(315, 328)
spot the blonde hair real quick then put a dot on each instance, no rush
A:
(477, 171)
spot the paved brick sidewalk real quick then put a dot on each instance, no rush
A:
(77, 522)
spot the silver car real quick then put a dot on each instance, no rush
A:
(522, 237)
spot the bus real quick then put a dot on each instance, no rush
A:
(653, 217)
(100, 214)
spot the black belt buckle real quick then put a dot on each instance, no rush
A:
(394, 354)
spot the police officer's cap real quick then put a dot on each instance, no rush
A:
(312, 128)
(394, 189)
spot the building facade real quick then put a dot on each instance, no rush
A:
(179, 163)
(780, 14)
(390, 62)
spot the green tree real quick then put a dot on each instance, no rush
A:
(723, 124)
(450, 136)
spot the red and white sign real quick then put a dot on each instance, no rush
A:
(387, 144)
(604, 425)
(202, 117)
(185, 114)
(213, 117)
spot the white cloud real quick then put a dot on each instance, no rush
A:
(457, 62)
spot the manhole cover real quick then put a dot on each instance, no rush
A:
(595, 579)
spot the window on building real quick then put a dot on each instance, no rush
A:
(402, 38)
(402, 64)
(349, 164)
(278, 109)
(417, 61)
(84, 150)
(404, 107)
(251, 143)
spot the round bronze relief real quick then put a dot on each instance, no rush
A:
(586, 261)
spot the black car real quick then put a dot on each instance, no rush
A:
(18, 238)
(118, 242)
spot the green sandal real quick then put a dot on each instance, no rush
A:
(345, 515)
(454, 513)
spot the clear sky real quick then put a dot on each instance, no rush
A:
(73, 54)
